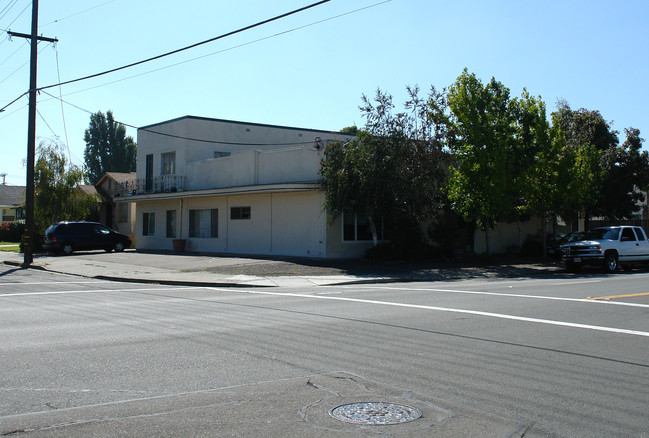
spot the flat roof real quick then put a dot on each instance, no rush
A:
(207, 119)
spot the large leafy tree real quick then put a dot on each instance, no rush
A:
(394, 168)
(481, 187)
(108, 149)
(613, 181)
(537, 161)
(627, 170)
(56, 188)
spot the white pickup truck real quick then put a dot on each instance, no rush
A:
(608, 247)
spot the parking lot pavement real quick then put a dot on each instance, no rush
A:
(228, 270)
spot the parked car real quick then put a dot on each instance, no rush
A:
(67, 237)
(555, 244)
(608, 247)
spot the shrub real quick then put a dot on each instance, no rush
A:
(11, 231)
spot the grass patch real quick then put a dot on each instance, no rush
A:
(10, 246)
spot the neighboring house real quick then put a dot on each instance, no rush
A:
(118, 216)
(234, 187)
(12, 203)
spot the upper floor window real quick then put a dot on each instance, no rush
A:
(168, 163)
(240, 213)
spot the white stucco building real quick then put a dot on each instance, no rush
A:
(234, 187)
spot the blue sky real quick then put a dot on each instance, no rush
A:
(310, 70)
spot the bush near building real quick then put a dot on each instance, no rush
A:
(11, 232)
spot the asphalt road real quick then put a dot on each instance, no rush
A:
(484, 357)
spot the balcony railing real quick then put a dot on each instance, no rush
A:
(158, 184)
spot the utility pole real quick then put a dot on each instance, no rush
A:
(28, 240)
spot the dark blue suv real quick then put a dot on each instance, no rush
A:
(73, 236)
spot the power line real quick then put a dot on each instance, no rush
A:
(58, 137)
(191, 46)
(16, 71)
(229, 48)
(76, 13)
(14, 52)
(180, 137)
(260, 23)
(17, 17)
(65, 129)
(7, 8)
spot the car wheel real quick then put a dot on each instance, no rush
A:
(119, 247)
(67, 248)
(610, 262)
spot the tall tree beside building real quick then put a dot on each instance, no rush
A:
(622, 169)
(627, 172)
(56, 188)
(482, 187)
(393, 169)
(108, 149)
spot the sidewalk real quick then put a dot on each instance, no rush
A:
(228, 270)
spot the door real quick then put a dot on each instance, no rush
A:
(629, 246)
(643, 244)
(149, 174)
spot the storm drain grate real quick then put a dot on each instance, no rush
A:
(375, 413)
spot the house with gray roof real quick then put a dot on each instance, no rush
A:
(12, 203)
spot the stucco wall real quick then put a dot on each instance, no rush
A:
(506, 235)
(289, 224)
(232, 137)
(337, 248)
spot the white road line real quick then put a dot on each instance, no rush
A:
(93, 291)
(446, 309)
(499, 294)
(17, 283)
(364, 301)
(567, 283)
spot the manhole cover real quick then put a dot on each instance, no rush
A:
(375, 413)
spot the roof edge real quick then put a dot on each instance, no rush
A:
(237, 122)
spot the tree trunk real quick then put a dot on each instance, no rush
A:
(544, 240)
(487, 238)
(375, 238)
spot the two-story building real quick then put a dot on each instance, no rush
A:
(234, 187)
(118, 216)
(12, 203)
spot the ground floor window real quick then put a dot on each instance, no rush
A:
(204, 223)
(148, 224)
(240, 213)
(171, 223)
(357, 227)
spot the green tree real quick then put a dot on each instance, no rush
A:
(627, 172)
(57, 195)
(392, 169)
(481, 186)
(612, 189)
(538, 165)
(108, 149)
